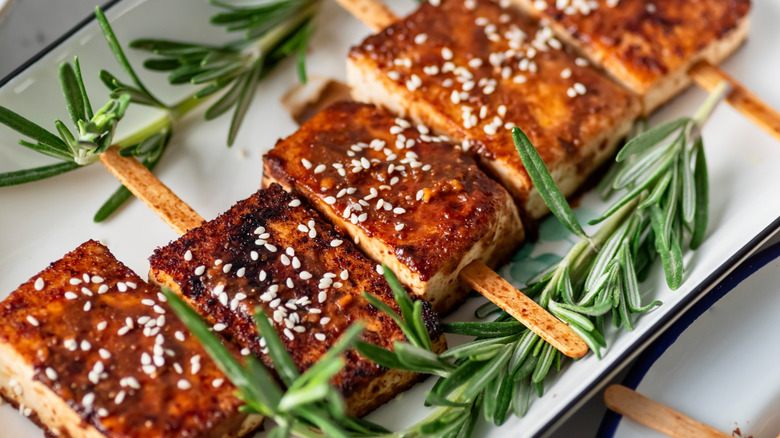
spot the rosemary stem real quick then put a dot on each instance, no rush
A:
(165, 121)
(708, 107)
(279, 33)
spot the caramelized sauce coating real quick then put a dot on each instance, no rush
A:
(270, 250)
(108, 345)
(424, 199)
(473, 69)
(641, 42)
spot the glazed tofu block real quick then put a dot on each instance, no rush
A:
(88, 349)
(473, 69)
(648, 46)
(406, 197)
(271, 250)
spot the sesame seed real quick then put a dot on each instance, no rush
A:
(188, 255)
(289, 334)
(254, 255)
(34, 322)
(336, 243)
(105, 354)
(380, 270)
(183, 385)
(102, 325)
(102, 289)
(319, 336)
(330, 200)
(51, 374)
(446, 53)
(320, 168)
(87, 306)
(289, 283)
(88, 400)
(295, 203)
(270, 247)
(70, 296)
(120, 397)
(218, 327)
(306, 163)
(241, 272)
(179, 335)
(580, 88)
(324, 320)
(305, 275)
(399, 227)
(85, 345)
(39, 283)
(420, 38)
(322, 296)
(200, 270)
(75, 281)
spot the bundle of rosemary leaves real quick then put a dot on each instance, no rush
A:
(271, 32)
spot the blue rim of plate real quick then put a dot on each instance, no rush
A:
(647, 359)
(599, 381)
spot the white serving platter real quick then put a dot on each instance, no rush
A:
(40, 222)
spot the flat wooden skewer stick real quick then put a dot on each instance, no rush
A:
(657, 416)
(485, 281)
(740, 98)
(375, 15)
(146, 187)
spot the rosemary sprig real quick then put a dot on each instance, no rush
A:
(271, 33)
(307, 405)
(92, 134)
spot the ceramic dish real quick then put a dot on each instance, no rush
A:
(42, 221)
(714, 363)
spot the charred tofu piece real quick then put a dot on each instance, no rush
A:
(473, 69)
(88, 349)
(648, 46)
(271, 250)
(407, 198)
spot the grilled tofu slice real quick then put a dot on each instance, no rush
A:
(648, 46)
(407, 198)
(473, 69)
(271, 250)
(88, 349)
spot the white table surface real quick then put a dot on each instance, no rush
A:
(31, 25)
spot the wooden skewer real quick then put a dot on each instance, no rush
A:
(740, 98)
(485, 281)
(146, 187)
(374, 14)
(657, 416)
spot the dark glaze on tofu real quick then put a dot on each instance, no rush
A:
(108, 346)
(401, 192)
(473, 69)
(640, 42)
(271, 250)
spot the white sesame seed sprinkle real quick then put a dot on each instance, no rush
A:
(306, 163)
(34, 322)
(218, 327)
(188, 255)
(39, 283)
(200, 270)
(51, 374)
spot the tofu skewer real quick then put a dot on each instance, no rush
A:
(142, 183)
(413, 202)
(663, 73)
